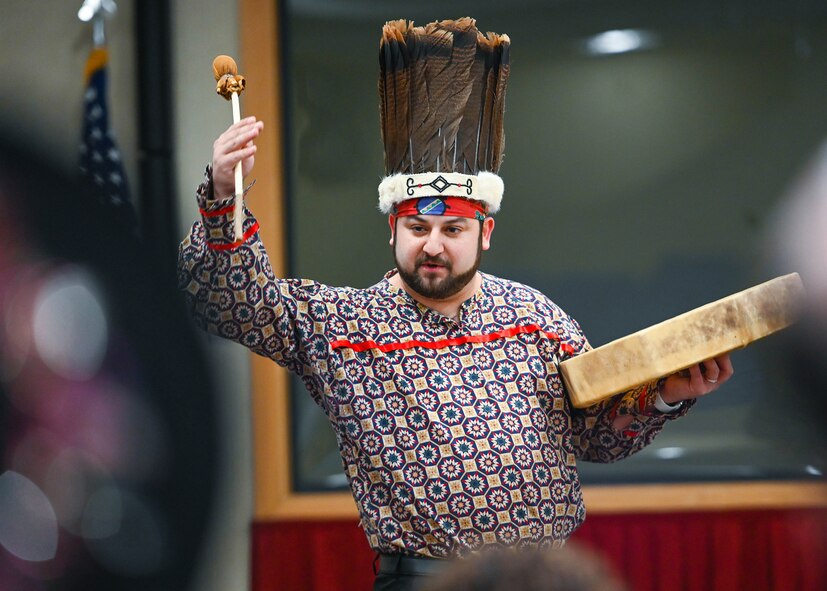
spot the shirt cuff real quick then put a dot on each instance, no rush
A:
(663, 407)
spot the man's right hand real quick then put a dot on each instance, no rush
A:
(233, 146)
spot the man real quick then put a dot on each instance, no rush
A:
(441, 382)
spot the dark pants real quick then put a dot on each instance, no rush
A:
(405, 573)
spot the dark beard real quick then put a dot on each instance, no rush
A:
(437, 289)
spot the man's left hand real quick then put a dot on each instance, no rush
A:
(699, 380)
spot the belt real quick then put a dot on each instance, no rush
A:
(397, 564)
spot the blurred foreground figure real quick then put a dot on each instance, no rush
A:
(570, 568)
(798, 240)
(107, 447)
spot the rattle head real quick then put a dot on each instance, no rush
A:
(228, 80)
(223, 64)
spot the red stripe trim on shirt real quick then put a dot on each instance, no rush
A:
(217, 212)
(642, 399)
(233, 245)
(615, 409)
(481, 338)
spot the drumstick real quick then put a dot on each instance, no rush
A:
(230, 84)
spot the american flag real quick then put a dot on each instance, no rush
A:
(100, 159)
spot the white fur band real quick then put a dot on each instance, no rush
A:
(486, 187)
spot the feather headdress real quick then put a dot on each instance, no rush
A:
(441, 102)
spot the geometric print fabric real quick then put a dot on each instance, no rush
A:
(454, 435)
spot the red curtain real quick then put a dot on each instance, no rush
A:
(751, 550)
(716, 551)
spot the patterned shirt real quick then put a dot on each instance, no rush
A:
(454, 434)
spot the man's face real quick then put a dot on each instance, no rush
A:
(437, 256)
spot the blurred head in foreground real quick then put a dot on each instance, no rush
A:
(107, 447)
(798, 242)
(570, 568)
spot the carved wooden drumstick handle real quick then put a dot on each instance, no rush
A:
(230, 84)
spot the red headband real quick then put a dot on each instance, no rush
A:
(451, 206)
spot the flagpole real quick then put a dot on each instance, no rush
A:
(100, 159)
(97, 11)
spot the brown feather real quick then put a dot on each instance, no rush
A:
(420, 106)
(393, 93)
(468, 132)
(435, 48)
(491, 136)
(441, 93)
(459, 89)
(497, 142)
(489, 87)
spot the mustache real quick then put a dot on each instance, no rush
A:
(425, 259)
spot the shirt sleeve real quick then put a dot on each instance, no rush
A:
(231, 291)
(594, 437)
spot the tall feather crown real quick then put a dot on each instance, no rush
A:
(441, 102)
